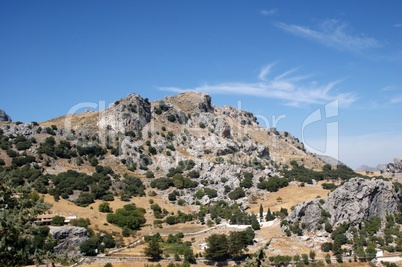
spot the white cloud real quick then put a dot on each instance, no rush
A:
(264, 71)
(295, 90)
(268, 12)
(398, 25)
(334, 34)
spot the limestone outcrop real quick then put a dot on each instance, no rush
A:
(69, 239)
(353, 202)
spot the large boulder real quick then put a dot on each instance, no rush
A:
(359, 199)
(69, 239)
(4, 116)
(308, 213)
(353, 202)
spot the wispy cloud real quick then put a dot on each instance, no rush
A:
(294, 90)
(268, 12)
(332, 33)
(398, 25)
(396, 100)
(388, 88)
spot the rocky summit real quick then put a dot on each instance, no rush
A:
(4, 117)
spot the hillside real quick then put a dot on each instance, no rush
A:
(180, 164)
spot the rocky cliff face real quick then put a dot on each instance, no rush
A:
(131, 113)
(353, 202)
(359, 199)
(69, 239)
(4, 116)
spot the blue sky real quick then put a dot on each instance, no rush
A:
(284, 59)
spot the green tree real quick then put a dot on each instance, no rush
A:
(339, 258)
(217, 247)
(269, 216)
(328, 258)
(237, 193)
(129, 216)
(90, 247)
(105, 207)
(305, 259)
(189, 256)
(17, 230)
(153, 250)
(57, 221)
(254, 222)
(296, 258)
(261, 212)
(312, 255)
(370, 252)
(236, 244)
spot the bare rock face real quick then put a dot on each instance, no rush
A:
(131, 113)
(353, 202)
(69, 239)
(359, 199)
(394, 167)
(4, 116)
(308, 213)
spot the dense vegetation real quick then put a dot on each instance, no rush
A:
(222, 247)
(129, 216)
(22, 242)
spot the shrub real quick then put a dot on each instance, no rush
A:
(11, 153)
(57, 221)
(171, 220)
(202, 125)
(246, 183)
(22, 143)
(211, 193)
(237, 193)
(84, 199)
(273, 184)
(162, 183)
(105, 207)
(149, 174)
(171, 118)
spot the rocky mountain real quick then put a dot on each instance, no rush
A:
(145, 137)
(329, 160)
(4, 117)
(181, 159)
(352, 203)
(366, 168)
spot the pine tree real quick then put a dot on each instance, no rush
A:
(153, 250)
(269, 216)
(261, 212)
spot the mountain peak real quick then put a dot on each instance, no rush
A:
(4, 116)
(191, 102)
